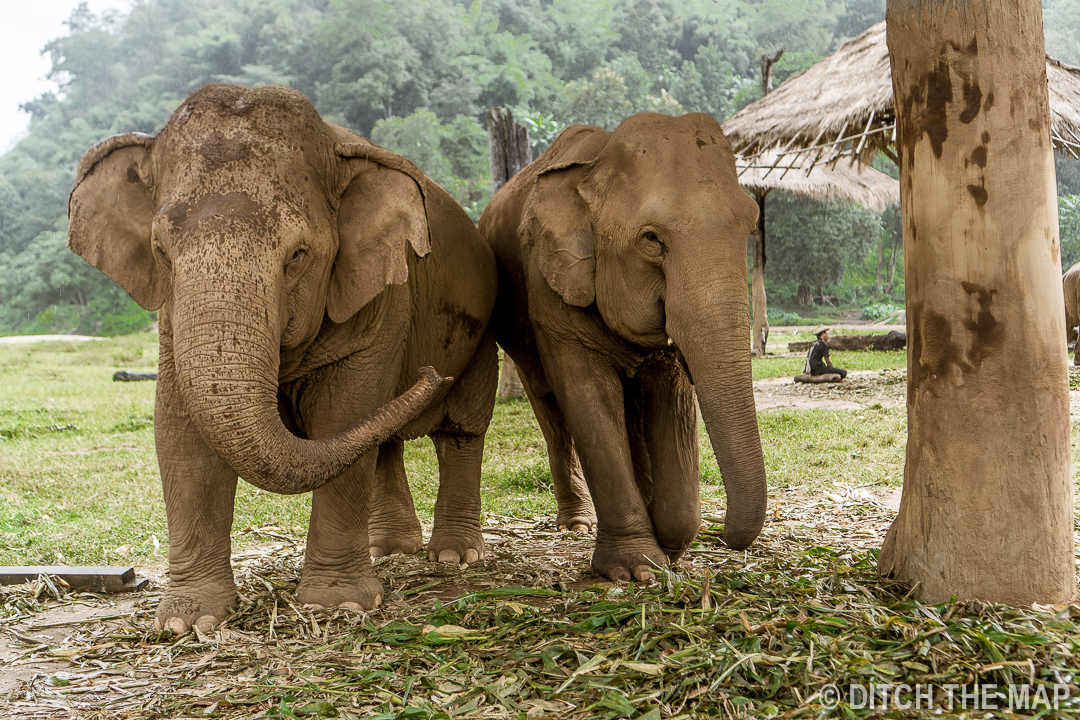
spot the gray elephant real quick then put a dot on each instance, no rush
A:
(1070, 283)
(622, 290)
(303, 275)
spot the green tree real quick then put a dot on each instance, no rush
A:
(424, 71)
(812, 243)
(1069, 229)
(447, 153)
(708, 84)
(1061, 24)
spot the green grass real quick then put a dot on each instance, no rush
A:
(789, 366)
(812, 448)
(757, 633)
(79, 480)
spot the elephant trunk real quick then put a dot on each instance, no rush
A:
(708, 318)
(227, 357)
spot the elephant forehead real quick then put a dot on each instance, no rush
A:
(233, 214)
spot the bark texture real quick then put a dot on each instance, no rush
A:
(987, 505)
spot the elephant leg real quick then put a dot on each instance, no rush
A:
(456, 535)
(393, 528)
(590, 394)
(634, 403)
(337, 567)
(576, 510)
(199, 489)
(337, 562)
(671, 435)
(1072, 319)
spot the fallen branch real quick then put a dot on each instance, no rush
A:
(894, 340)
(125, 376)
(808, 378)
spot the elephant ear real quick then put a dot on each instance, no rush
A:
(111, 210)
(556, 224)
(382, 214)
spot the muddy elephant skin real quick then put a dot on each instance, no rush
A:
(302, 275)
(622, 292)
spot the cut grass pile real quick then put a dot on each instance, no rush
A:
(776, 631)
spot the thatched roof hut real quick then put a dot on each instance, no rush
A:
(845, 103)
(822, 181)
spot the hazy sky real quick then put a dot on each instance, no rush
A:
(26, 27)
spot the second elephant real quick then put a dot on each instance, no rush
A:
(1070, 283)
(622, 290)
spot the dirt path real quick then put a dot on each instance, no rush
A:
(860, 389)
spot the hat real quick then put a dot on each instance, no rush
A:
(820, 329)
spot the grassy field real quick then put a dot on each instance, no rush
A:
(79, 479)
(773, 631)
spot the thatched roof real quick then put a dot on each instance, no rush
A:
(846, 100)
(821, 181)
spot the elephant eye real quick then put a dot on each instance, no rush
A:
(297, 254)
(161, 256)
(651, 245)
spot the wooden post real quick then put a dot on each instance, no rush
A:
(510, 152)
(987, 508)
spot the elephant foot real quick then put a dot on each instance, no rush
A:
(627, 559)
(186, 606)
(382, 544)
(456, 546)
(394, 531)
(359, 594)
(579, 522)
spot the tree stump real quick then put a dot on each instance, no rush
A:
(508, 143)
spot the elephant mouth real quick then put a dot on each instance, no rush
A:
(681, 358)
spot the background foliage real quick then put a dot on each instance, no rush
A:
(418, 77)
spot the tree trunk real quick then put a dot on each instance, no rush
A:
(510, 153)
(987, 504)
(760, 304)
(893, 257)
(804, 295)
(880, 264)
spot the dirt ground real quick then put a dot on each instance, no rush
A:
(860, 389)
(85, 656)
(97, 657)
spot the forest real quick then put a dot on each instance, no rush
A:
(418, 76)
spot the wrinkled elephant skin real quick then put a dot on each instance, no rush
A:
(303, 275)
(1070, 283)
(622, 293)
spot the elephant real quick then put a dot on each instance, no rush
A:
(1070, 283)
(622, 294)
(303, 274)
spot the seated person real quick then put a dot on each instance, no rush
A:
(817, 360)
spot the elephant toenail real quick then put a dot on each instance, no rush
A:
(206, 623)
(176, 625)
